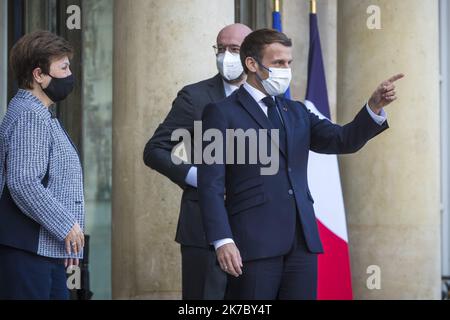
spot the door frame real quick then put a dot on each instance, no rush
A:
(3, 56)
(444, 38)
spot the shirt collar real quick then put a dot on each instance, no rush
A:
(229, 88)
(256, 94)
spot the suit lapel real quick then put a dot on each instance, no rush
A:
(253, 108)
(216, 90)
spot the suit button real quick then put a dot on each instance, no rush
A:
(291, 192)
(289, 169)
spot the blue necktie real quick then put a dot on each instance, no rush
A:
(274, 117)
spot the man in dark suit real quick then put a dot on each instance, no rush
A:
(202, 278)
(265, 231)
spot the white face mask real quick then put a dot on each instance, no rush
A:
(229, 65)
(278, 81)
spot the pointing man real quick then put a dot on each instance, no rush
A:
(265, 232)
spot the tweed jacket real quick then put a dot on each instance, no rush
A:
(34, 145)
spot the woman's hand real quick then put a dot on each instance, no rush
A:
(74, 240)
(71, 262)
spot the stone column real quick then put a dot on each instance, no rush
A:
(159, 46)
(391, 187)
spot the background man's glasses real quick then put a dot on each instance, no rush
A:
(221, 49)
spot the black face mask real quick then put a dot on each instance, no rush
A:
(59, 88)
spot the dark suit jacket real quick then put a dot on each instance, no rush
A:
(259, 212)
(186, 108)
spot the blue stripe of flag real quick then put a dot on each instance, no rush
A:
(276, 24)
(316, 91)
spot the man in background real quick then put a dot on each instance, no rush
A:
(202, 277)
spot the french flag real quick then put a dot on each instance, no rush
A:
(334, 275)
(277, 25)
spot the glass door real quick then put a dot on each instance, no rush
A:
(97, 39)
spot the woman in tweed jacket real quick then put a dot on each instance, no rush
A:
(41, 185)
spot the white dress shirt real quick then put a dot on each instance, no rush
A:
(229, 88)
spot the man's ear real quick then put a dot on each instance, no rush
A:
(38, 75)
(251, 64)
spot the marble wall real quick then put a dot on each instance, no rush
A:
(391, 187)
(159, 46)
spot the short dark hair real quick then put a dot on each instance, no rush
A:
(255, 43)
(36, 50)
